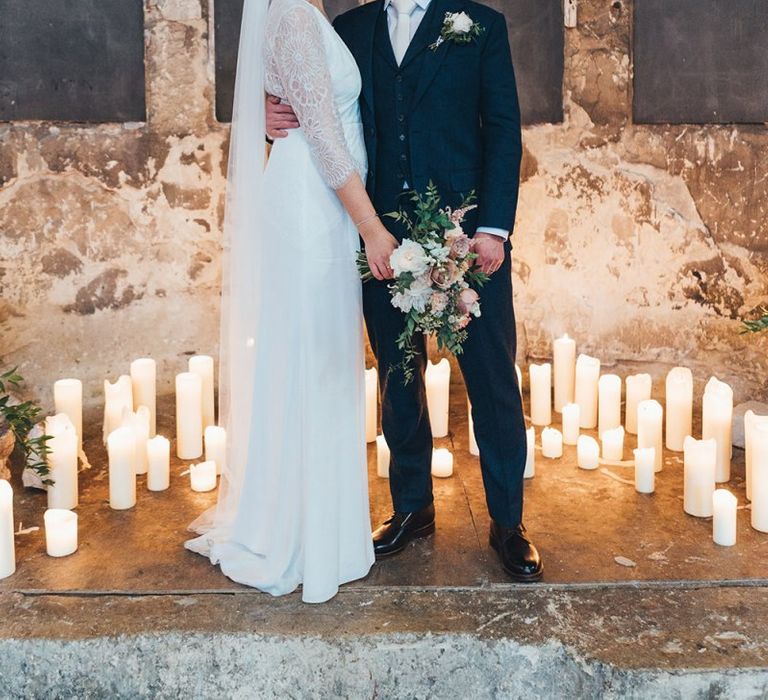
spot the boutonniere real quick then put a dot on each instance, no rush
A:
(458, 27)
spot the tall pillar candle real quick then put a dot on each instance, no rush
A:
(645, 469)
(613, 444)
(158, 463)
(60, 532)
(564, 360)
(138, 421)
(571, 424)
(638, 389)
(68, 398)
(750, 420)
(442, 463)
(121, 448)
(759, 509)
(724, 509)
(118, 399)
(650, 417)
(679, 407)
(7, 538)
(716, 417)
(587, 452)
(586, 391)
(62, 462)
(215, 438)
(699, 464)
(609, 402)
(371, 403)
(438, 379)
(382, 457)
(530, 453)
(144, 384)
(202, 365)
(551, 443)
(519, 374)
(541, 393)
(473, 447)
(189, 418)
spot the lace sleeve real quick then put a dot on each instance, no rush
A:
(296, 61)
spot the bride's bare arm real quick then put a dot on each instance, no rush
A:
(297, 62)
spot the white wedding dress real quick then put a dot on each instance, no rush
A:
(301, 514)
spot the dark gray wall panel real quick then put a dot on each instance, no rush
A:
(72, 60)
(700, 61)
(535, 32)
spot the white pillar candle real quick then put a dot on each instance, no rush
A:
(650, 417)
(551, 443)
(699, 463)
(138, 421)
(438, 380)
(158, 463)
(759, 510)
(679, 407)
(716, 417)
(645, 469)
(724, 506)
(68, 398)
(202, 365)
(144, 384)
(519, 374)
(585, 393)
(62, 461)
(203, 476)
(442, 463)
(371, 403)
(118, 399)
(382, 457)
(473, 448)
(60, 532)
(530, 453)
(587, 452)
(121, 448)
(750, 420)
(541, 393)
(215, 438)
(613, 444)
(638, 389)
(609, 402)
(564, 360)
(7, 542)
(189, 418)
(571, 423)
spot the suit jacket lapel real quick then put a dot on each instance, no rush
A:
(433, 58)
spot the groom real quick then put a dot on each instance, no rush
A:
(446, 112)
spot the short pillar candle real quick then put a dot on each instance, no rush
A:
(724, 508)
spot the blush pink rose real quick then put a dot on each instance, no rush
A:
(445, 275)
(438, 302)
(467, 300)
(460, 247)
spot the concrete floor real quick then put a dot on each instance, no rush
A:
(687, 606)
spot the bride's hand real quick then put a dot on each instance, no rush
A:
(379, 246)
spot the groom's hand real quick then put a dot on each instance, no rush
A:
(490, 252)
(280, 118)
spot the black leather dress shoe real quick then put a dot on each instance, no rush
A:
(395, 534)
(519, 558)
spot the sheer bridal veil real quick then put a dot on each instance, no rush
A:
(243, 251)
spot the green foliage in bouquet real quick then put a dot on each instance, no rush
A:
(758, 325)
(21, 418)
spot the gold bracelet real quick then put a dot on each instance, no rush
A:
(366, 220)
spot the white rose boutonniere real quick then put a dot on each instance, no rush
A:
(458, 27)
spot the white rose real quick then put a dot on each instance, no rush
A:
(461, 22)
(409, 256)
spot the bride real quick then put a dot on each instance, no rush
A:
(293, 501)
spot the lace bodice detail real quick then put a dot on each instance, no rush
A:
(298, 70)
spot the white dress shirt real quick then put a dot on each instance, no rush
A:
(416, 17)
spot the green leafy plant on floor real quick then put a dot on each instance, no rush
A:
(758, 325)
(20, 419)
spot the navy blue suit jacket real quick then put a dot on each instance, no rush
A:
(464, 125)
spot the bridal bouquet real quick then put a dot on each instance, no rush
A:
(434, 276)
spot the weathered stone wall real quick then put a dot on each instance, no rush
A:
(643, 242)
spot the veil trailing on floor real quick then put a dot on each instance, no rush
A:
(243, 252)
